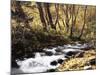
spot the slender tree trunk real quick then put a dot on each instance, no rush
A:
(67, 18)
(41, 13)
(76, 15)
(71, 30)
(57, 13)
(66, 23)
(83, 23)
(49, 15)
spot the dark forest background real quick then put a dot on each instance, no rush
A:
(36, 25)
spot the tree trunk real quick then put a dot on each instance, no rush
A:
(83, 23)
(47, 6)
(41, 13)
(57, 13)
(71, 30)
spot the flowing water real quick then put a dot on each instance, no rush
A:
(48, 59)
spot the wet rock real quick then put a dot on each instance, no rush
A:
(66, 56)
(53, 63)
(58, 50)
(49, 53)
(71, 53)
(60, 61)
(93, 62)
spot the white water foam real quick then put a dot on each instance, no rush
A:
(38, 64)
(41, 63)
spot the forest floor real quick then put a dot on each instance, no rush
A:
(85, 61)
